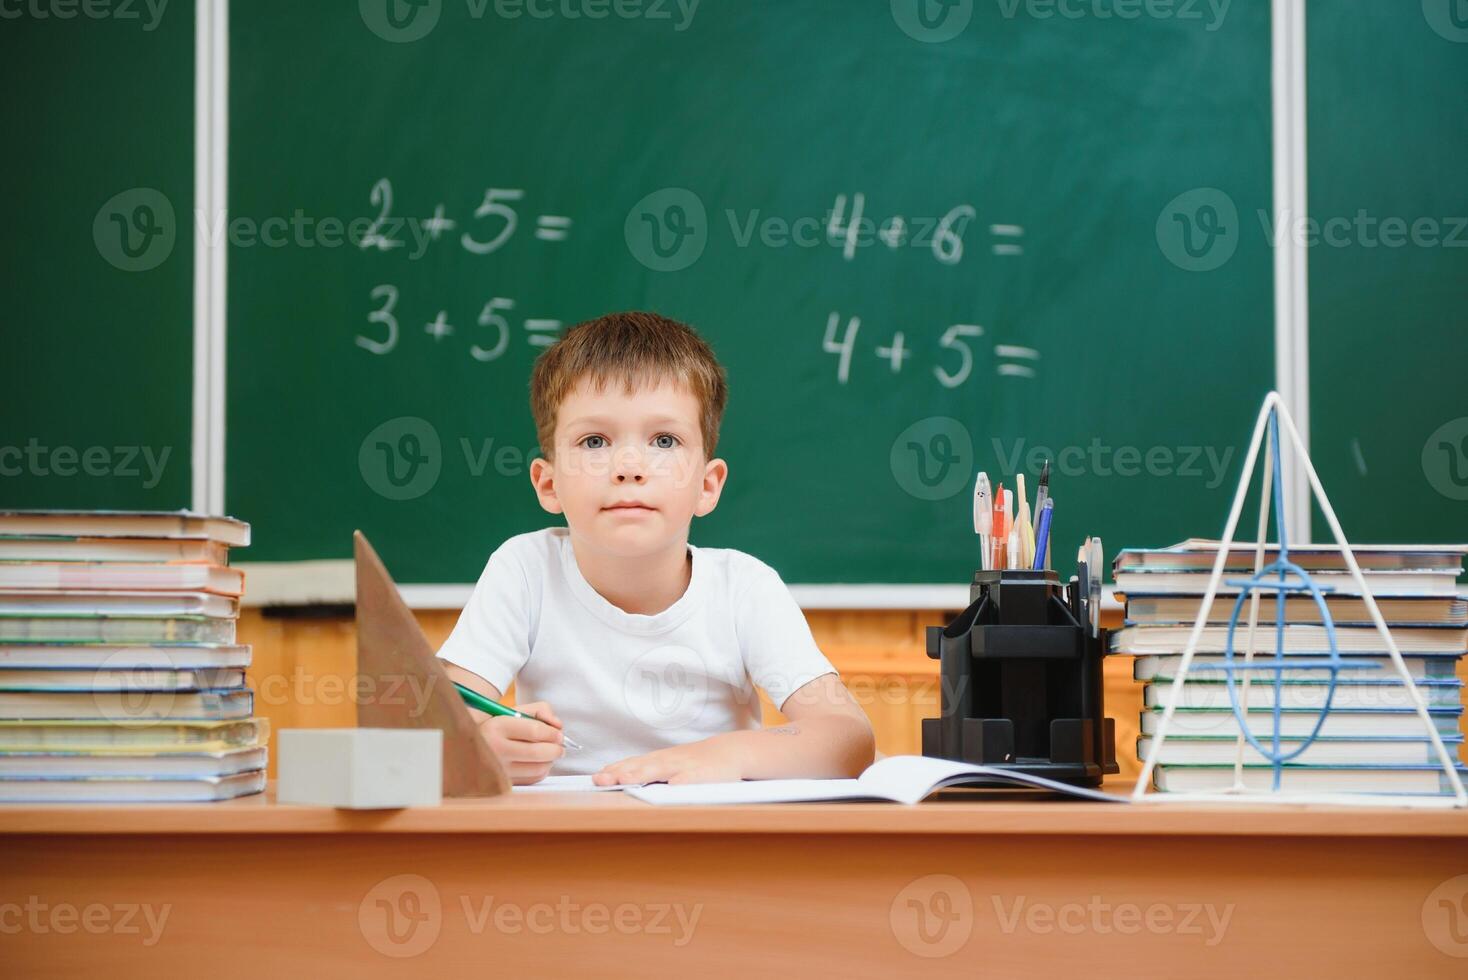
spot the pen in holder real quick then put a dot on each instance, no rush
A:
(1020, 679)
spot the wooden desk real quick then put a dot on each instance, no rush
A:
(591, 884)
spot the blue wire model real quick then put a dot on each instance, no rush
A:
(1283, 577)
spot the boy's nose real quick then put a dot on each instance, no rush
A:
(630, 466)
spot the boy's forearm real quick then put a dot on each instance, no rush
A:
(472, 681)
(827, 747)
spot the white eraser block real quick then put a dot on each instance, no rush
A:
(360, 768)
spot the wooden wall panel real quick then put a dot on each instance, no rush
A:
(304, 672)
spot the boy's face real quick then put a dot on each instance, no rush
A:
(613, 449)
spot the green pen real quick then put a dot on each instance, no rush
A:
(476, 700)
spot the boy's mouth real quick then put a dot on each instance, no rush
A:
(630, 507)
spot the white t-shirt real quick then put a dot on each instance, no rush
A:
(625, 684)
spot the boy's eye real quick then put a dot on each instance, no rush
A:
(664, 441)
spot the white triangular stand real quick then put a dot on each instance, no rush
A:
(1239, 793)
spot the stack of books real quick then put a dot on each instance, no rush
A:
(1371, 740)
(120, 678)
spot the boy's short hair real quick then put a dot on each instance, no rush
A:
(639, 349)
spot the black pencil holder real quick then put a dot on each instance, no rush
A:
(1021, 684)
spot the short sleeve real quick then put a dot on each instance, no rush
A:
(492, 636)
(775, 640)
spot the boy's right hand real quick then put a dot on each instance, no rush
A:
(526, 746)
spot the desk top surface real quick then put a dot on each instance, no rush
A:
(616, 813)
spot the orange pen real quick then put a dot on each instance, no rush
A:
(1000, 531)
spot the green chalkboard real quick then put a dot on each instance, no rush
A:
(96, 372)
(1103, 306)
(1389, 267)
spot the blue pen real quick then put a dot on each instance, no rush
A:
(1042, 536)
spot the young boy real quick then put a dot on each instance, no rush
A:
(641, 646)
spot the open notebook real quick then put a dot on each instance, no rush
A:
(566, 784)
(898, 778)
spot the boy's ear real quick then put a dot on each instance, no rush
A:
(543, 478)
(715, 473)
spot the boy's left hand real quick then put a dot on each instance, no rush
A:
(700, 762)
